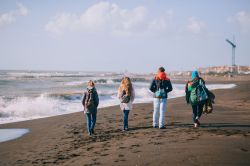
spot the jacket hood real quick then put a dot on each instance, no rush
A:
(195, 74)
(161, 76)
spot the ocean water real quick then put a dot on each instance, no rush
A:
(26, 95)
(10, 134)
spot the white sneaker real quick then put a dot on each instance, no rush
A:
(195, 125)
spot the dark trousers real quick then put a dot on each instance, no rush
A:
(125, 118)
(91, 120)
(197, 111)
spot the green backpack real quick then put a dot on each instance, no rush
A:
(198, 93)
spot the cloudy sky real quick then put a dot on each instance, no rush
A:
(136, 35)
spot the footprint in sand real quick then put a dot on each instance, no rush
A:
(244, 150)
(120, 155)
(89, 148)
(74, 155)
(157, 143)
(121, 147)
(147, 117)
(136, 151)
(135, 145)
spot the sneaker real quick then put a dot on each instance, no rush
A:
(155, 127)
(126, 129)
(162, 127)
(195, 125)
(197, 121)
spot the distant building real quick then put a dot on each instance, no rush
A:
(214, 70)
(225, 69)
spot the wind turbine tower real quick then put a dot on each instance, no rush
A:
(233, 53)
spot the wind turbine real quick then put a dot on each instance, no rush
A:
(233, 53)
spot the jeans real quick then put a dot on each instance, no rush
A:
(125, 118)
(160, 107)
(91, 120)
(197, 111)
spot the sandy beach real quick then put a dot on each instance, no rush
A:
(223, 138)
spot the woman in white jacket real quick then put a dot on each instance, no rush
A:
(126, 96)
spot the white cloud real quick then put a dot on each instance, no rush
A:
(7, 18)
(11, 16)
(195, 26)
(22, 10)
(108, 17)
(242, 19)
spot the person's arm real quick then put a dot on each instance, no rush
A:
(187, 93)
(152, 87)
(83, 99)
(169, 86)
(189, 86)
(96, 99)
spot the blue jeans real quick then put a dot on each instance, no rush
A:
(91, 120)
(125, 118)
(160, 107)
(197, 111)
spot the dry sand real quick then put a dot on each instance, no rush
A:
(223, 138)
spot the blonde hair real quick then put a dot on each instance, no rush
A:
(126, 86)
(91, 83)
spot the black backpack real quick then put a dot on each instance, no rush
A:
(89, 102)
(125, 98)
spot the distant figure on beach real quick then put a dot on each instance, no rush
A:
(126, 96)
(160, 86)
(90, 103)
(196, 95)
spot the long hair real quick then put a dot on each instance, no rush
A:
(126, 86)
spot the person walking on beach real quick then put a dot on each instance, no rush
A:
(90, 103)
(160, 86)
(126, 96)
(196, 95)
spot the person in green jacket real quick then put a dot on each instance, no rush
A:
(196, 95)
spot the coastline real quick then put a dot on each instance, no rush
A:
(63, 139)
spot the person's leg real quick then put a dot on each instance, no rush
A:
(156, 112)
(125, 119)
(194, 107)
(93, 121)
(88, 120)
(199, 112)
(163, 109)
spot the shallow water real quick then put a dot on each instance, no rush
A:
(10, 134)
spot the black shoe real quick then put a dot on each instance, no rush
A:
(89, 133)
(155, 127)
(92, 131)
(163, 127)
(125, 129)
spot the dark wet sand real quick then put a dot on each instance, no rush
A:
(223, 138)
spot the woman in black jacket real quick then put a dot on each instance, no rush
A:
(90, 103)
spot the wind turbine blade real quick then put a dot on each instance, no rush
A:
(233, 45)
